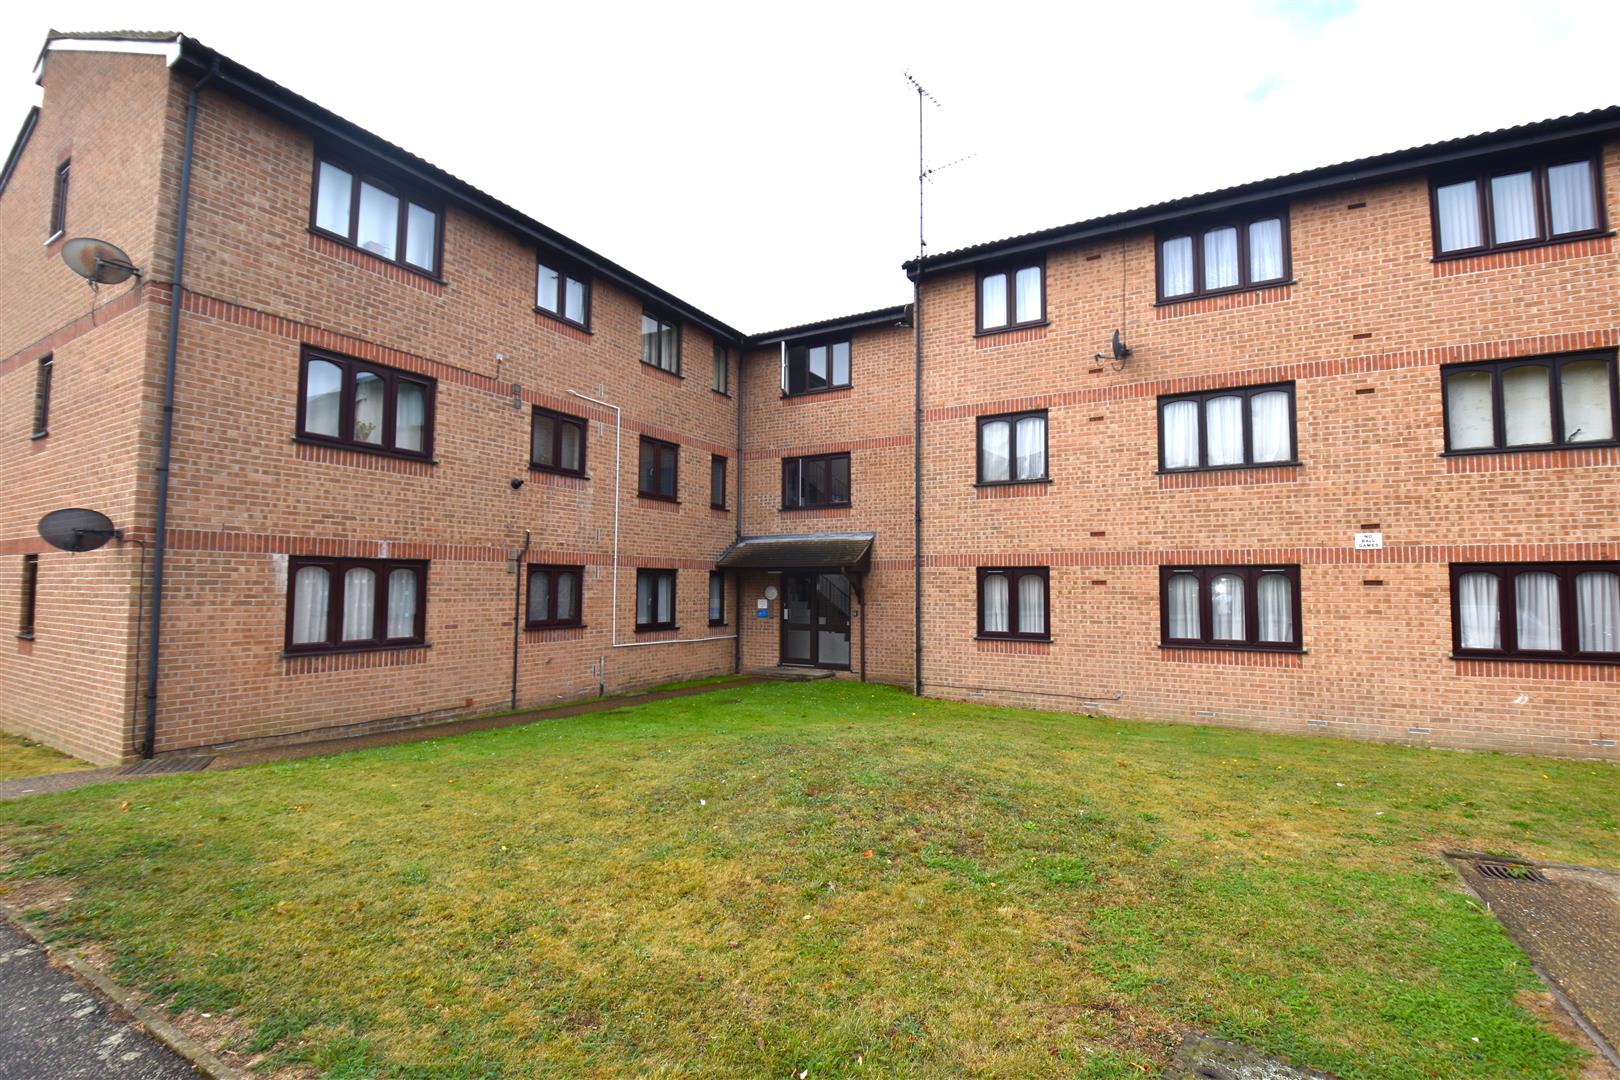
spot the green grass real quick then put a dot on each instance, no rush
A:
(828, 877)
(21, 757)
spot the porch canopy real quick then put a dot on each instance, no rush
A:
(833, 553)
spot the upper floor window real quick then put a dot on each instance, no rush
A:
(1532, 403)
(1230, 607)
(59, 198)
(365, 406)
(1011, 296)
(1012, 448)
(822, 480)
(1562, 611)
(1012, 602)
(717, 482)
(554, 596)
(565, 295)
(722, 370)
(1517, 207)
(1224, 256)
(660, 343)
(1227, 429)
(655, 599)
(375, 216)
(343, 604)
(42, 396)
(557, 442)
(823, 366)
(29, 597)
(659, 469)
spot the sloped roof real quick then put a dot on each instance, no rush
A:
(851, 552)
(898, 315)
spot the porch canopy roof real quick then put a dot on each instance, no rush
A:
(848, 553)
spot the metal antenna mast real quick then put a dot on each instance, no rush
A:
(917, 432)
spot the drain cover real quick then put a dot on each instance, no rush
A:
(159, 765)
(1510, 872)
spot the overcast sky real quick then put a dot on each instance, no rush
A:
(759, 160)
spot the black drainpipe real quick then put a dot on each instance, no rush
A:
(917, 485)
(166, 452)
(521, 565)
(737, 608)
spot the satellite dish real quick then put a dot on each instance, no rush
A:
(1122, 351)
(77, 530)
(98, 261)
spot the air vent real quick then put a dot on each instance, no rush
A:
(1510, 872)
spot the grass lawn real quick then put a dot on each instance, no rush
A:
(827, 877)
(21, 757)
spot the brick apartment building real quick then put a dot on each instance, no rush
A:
(1352, 470)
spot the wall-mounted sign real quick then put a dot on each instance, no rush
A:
(763, 609)
(1370, 541)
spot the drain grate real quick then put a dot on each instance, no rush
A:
(159, 765)
(1510, 872)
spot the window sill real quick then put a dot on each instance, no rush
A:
(38, 435)
(720, 393)
(372, 451)
(1566, 238)
(536, 627)
(1234, 647)
(299, 654)
(409, 268)
(716, 625)
(662, 371)
(720, 507)
(1036, 639)
(1012, 328)
(1011, 483)
(672, 500)
(1230, 468)
(1540, 448)
(549, 471)
(24, 637)
(1519, 658)
(1172, 301)
(817, 506)
(583, 328)
(658, 629)
(821, 390)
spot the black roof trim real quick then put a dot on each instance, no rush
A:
(17, 147)
(1310, 181)
(899, 315)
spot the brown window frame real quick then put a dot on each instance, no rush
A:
(797, 465)
(1482, 175)
(558, 420)
(717, 577)
(1196, 231)
(392, 377)
(721, 374)
(555, 572)
(717, 472)
(1507, 611)
(1247, 393)
(28, 598)
(1012, 448)
(1251, 608)
(1554, 364)
(565, 273)
(43, 376)
(1010, 269)
(659, 446)
(798, 355)
(337, 571)
(60, 185)
(654, 575)
(1012, 574)
(664, 322)
(406, 198)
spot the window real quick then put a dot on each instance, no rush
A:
(722, 369)
(1012, 448)
(563, 294)
(1531, 403)
(660, 343)
(557, 443)
(1227, 429)
(813, 368)
(1563, 611)
(1517, 206)
(1224, 256)
(717, 598)
(1013, 603)
(1230, 607)
(717, 482)
(365, 406)
(344, 604)
(1012, 296)
(660, 464)
(554, 596)
(30, 589)
(42, 396)
(59, 199)
(375, 216)
(655, 599)
(809, 482)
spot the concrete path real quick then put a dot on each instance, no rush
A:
(53, 1027)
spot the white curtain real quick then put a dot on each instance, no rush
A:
(1527, 405)
(1477, 608)
(1027, 294)
(644, 599)
(1265, 250)
(1226, 612)
(379, 221)
(1268, 412)
(323, 396)
(1176, 266)
(995, 603)
(1184, 623)
(666, 598)
(332, 200)
(312, 587)
(1220, 258)
(993, 450)
(540, 596)
(1584, 387)
(1032, 448)
(1275, 595)
(1513, 207)
(840, 363)
(567, 597)
(402, 604)
(1539, 622)
(1597, 611)
(1569, 197)
(1180, 419)
(369, 396)
(1223, 431)
(546, 284)
(359, 605)
(1470, 414)
(574, 300)
(993, 301)
(1457, 207)
(410, 416)
(571, 436)
(421, 232)
(1031, 604)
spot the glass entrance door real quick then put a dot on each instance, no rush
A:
(815, 620)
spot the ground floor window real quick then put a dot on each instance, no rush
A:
(1230, 607)
(1013, 602)
(655, 599)
(554, 596)
(30, 589)
(717, 598)
(347, 604)
(1564, 611)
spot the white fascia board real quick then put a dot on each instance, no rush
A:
(169, 50)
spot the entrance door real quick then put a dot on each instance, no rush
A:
(815, 620)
